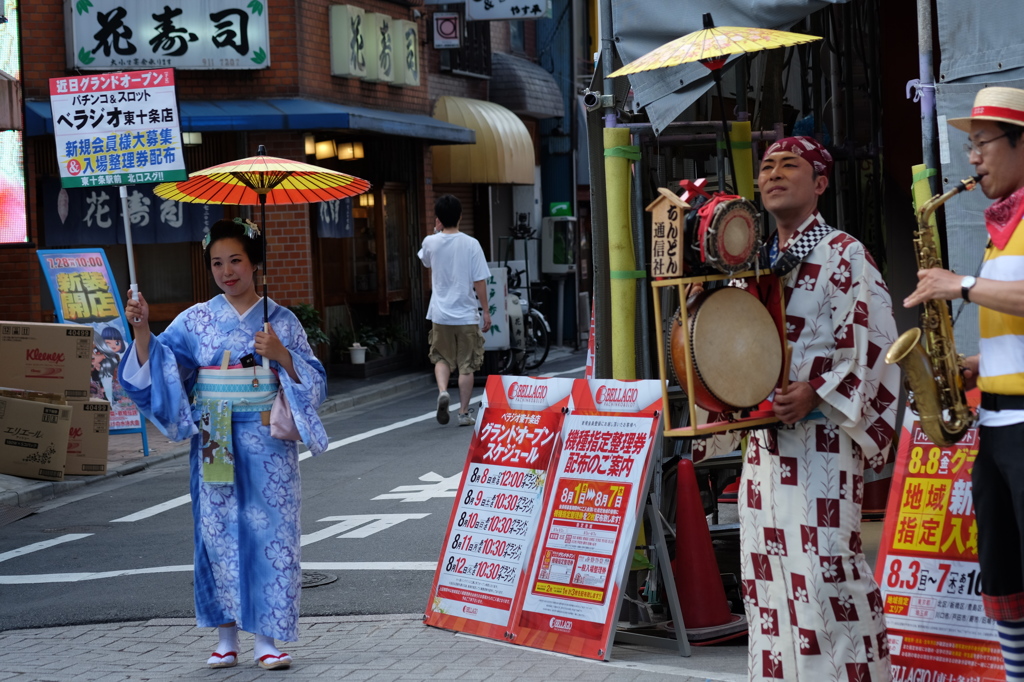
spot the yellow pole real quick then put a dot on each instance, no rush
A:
(921, 191)
(742, 156)
(621, 260)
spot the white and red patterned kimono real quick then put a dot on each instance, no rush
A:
(814, 610)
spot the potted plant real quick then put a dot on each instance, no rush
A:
(357, 353)
(357, 341)
(379, 347)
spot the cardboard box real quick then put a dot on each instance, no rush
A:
(55, 358)
(33, 437)
(88, 438)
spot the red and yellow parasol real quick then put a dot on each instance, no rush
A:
(263, 180)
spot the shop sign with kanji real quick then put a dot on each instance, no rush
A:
(489, 10)
(117, 128)
(667, 214)
(197, 34)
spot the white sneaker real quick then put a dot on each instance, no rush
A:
(442, 408)
(467, 419)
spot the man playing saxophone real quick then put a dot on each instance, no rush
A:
(996, 149)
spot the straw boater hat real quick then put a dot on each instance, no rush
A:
(994, 104)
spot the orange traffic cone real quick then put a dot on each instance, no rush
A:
(698, 583)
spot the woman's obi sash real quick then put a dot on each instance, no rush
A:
(220, 393)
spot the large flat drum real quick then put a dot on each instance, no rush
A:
(735, 350)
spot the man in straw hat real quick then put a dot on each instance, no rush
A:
(812, 604)
(996, 149)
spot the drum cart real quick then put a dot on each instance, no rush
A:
(660, 527)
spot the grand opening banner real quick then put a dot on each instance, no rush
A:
(117, 128)
(542, 533)
(84, 292)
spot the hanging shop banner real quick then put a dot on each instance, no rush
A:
(494, 522)
(334, 219)
(179, 34)
(80, 215)
(497, 337)
(84, 292)
(927, 566)
(117, 128)
(490, 10)
(588, 531)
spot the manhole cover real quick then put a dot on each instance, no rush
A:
(316, 578)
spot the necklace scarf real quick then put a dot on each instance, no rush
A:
(1002, 218)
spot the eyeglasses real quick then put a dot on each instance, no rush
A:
(978, 146)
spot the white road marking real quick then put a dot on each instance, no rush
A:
(382, 566)
(377, 524)
(154, 510)
(28, 549)
(359, 526)
(306, 454)
(434, 485)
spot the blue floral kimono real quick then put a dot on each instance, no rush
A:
(250, 526)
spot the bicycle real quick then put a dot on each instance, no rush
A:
(530, 332)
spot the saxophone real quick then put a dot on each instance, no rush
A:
(934, 371)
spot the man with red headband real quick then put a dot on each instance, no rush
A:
(814, 610)
(996, 149)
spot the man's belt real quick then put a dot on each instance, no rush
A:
(996, 402)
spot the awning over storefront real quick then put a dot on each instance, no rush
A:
(286, 114)
(524, 88)
(502, 154)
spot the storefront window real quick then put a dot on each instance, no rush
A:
(395, 224)
(364, 250)
(378, 253)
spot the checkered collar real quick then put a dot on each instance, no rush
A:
(803, 241)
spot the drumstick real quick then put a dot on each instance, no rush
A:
(786, 358)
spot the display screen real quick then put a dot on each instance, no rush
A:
(13, 218)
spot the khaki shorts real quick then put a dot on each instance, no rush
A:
(459, 346)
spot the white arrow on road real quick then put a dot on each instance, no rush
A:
(364, 525)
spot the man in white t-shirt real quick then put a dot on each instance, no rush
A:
(458, 276)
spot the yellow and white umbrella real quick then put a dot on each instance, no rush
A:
(712, 46)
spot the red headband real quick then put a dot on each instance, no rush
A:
(808, 149)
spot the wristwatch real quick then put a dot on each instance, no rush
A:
(965, 287)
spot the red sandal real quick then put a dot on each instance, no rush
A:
(272, 662)
(228, 660)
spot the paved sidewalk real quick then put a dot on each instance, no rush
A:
(380, 648)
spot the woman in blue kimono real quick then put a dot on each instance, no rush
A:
(244, 481)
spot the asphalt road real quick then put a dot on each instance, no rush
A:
(374, 513)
